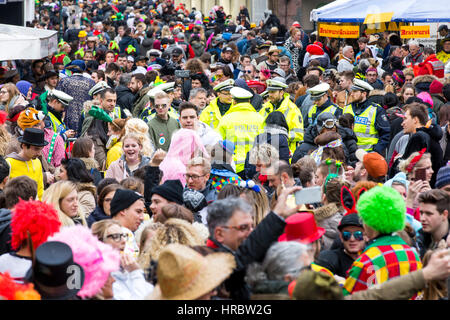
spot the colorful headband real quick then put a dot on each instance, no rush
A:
(414, 160)
(317, 154)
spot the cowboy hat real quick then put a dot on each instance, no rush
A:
(184, 274)
(274, 49)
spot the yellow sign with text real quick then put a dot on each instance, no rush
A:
(408, 32)
(338, 31)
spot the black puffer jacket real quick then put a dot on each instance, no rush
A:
(5, 231)
(253, 249)
(125, 98)
(348, 138)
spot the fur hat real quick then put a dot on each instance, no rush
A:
(11, 290)
(422, 83)
(29, 118)
(38, 218)
(383, 209)
(96, 258)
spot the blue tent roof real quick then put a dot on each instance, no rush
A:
(404, 10)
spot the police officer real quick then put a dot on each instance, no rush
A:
(96, 90)
(219, 106)
(57, 102)
(149, 111)
(371, 124)
(279, 100)
(322, 103)
(240, 125)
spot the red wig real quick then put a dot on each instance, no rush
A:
(39, 218)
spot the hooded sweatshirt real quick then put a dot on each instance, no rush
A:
(30, 168)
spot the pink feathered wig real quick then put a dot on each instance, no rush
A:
(96, 258)
(39, 218)
(185, 145)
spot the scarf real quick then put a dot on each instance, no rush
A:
(317, 154)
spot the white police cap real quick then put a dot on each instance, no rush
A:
(225, 85)
(240, 93)
(99, 87)
(361, 85)
(167, 86)
(276, 83)
(319, 90)
(62, 97)
(152, 92)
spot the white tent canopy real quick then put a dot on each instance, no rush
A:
(404, 10)
(21, 43)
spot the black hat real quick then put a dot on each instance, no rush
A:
(55, 275)
(140, 58)
(351, 219)
(48, 75)
(194, 200)
(177, 52)
(33, 136)
(171, 190)
(123, 199)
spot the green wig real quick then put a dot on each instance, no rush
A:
(383, 209)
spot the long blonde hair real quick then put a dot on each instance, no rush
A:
(12, 91)
(55, 194)
(166, 33)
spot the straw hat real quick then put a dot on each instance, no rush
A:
(184, 274)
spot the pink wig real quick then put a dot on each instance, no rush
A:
(38, 218)
(425, 97)
(96, 258)
(185, 145)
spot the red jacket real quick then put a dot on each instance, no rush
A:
(431, 65)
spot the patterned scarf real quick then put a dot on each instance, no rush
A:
(317, 154)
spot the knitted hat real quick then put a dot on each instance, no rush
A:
(373, 162)
(383, 209)
(425, 97)
(23, 87)
(398, 178)
(443, 177)
(398, 76)
(123, 199)
(436, 87)
(171, 190)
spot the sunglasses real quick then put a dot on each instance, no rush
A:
(242, 227)
(117, 236)
(248, 71)
(358, 235)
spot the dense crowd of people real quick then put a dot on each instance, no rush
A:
(168, 153)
